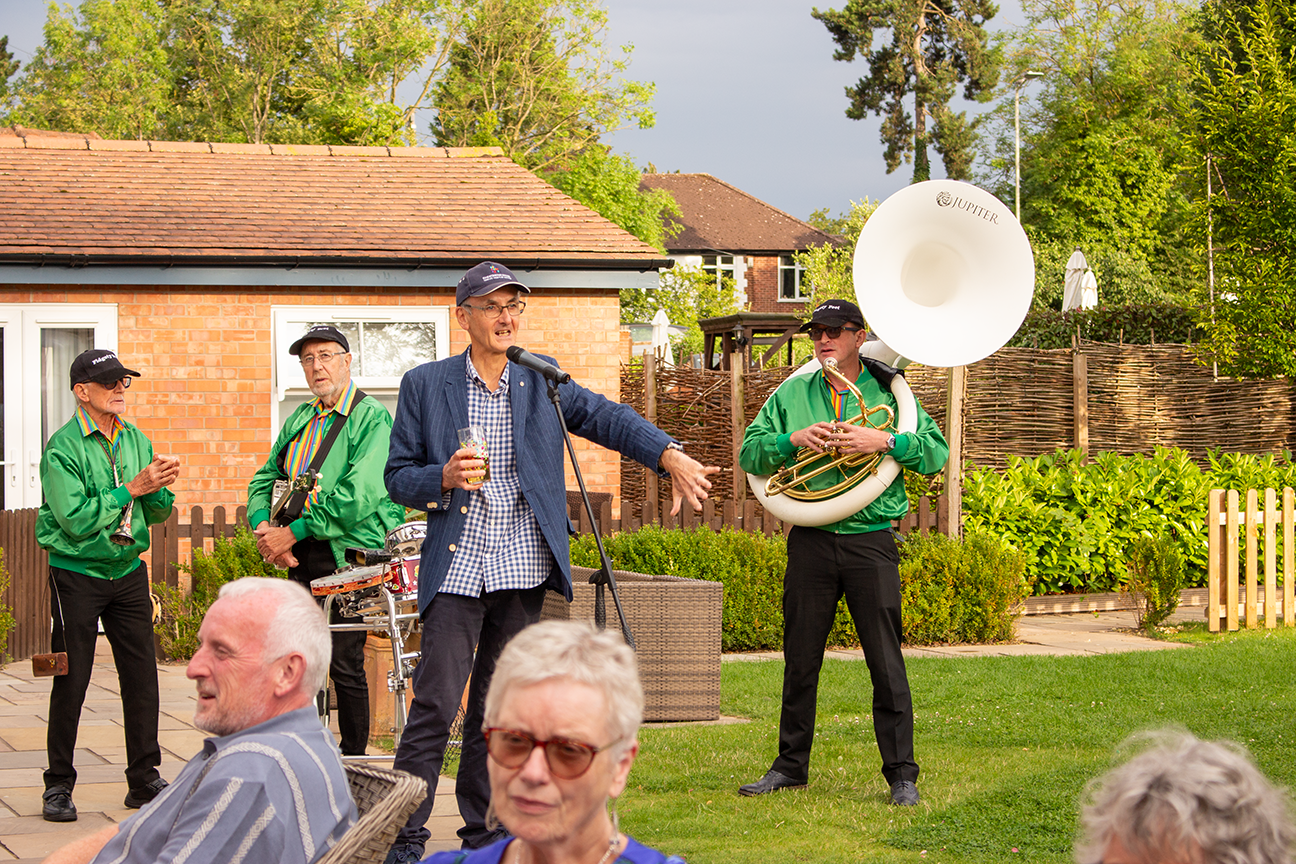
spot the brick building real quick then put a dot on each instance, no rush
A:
(200, 263)
(727, 231)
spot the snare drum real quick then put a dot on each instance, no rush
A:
(350, 579)
(404, 576)
(407, 540)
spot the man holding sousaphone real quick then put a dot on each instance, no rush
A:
(854, 557)
(103, 486)
(328, 461)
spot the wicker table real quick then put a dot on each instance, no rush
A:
(676, 626)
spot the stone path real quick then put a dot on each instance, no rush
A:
(100, 754)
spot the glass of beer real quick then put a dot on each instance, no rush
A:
(474, 438)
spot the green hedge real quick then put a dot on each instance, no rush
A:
(973, 586)
(1134, 325)
(1075, 521)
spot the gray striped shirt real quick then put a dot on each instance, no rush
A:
(273, 793)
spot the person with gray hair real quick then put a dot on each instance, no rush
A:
(561, 722)
(268, 787)
(1185, 801)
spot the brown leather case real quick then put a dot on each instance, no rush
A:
(48, 665)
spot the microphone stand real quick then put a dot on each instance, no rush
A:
(603, 576)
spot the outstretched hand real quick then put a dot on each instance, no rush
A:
(688, 478)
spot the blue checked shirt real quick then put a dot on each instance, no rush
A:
(501, 546)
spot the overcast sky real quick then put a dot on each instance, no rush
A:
(747, 92)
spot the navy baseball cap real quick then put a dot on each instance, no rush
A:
(320, 333)
(834, 313)
(485, 278)
(100, 366)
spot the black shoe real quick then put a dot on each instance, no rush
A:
(58, 805)
(904, 793)
(771, 782)
(404, 853)
(141, 795)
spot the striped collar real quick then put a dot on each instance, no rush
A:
(343, 406)
(89, 427)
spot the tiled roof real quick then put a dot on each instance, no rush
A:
(95, 201)
(720, 218)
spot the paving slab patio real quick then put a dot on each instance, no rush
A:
(100, 755)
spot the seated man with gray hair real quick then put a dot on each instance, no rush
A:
(269, 787)
(1185, 801)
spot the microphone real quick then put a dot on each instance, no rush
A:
(523, 357)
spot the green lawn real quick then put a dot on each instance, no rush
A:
(1005, 744)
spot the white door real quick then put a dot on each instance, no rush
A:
(37, 345)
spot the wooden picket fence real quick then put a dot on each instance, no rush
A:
(1230, 602)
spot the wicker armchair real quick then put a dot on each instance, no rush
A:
(385, 799)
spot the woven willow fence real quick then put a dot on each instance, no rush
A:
(1100, 397)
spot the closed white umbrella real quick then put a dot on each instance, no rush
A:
(1076, 268)
(1089, 291)
(661, 336)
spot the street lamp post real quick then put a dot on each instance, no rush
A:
(1017, 84)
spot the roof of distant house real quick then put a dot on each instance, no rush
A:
(718, 217)
(83, 200)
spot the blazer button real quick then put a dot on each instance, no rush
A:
(432, 505)
(463, 509)
(521, 383)
(452, 547)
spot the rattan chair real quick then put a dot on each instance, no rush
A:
(385, 799)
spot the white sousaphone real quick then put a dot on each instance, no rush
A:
(944, 276)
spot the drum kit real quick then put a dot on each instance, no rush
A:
(380, 587)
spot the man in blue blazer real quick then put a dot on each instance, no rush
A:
(492, 548)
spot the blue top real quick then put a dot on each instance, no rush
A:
(635, 853)
(275, 792)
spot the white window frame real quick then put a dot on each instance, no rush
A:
(289, 322)
(798, 275)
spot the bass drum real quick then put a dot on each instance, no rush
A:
(815, 513)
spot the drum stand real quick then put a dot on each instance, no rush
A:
(398, 626)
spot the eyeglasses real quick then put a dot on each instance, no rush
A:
(491, 311)
(124, 381)
(831, 332)
(321, 358)
(567, 759)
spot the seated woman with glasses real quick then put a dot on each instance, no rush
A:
(562, 714)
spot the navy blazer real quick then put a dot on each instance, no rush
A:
(433, 406)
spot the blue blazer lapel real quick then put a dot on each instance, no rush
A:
(456, 394)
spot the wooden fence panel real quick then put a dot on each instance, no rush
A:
(1230, 603)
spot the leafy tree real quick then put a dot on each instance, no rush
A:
(533, 77)
(1101, 146)
(932, 47)
(1242, 129)
(103, 70)
(687, 294)
(830, 269)
(300, 71)
(8, 67)
(608, 183)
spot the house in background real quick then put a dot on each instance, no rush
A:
(200, 263)
(729, 232)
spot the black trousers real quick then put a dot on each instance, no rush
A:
(127, 614)
(822, 568)
(453, 626)
(315, 559)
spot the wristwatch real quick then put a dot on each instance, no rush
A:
(890, 443)
(673, 445)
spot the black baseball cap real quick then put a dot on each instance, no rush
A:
(100, 366)
(834, 313)
(320, 333)
(485, 278)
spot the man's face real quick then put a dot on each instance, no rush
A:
(490, 335)
(844, 349)
(101, 399)
(234, 680)
(327, 367)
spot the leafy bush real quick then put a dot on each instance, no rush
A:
(1133, 325)
(1155, 578)
(182, 613)
(960, 591)
(1074, 521)
(6, 614)
(751, 567)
